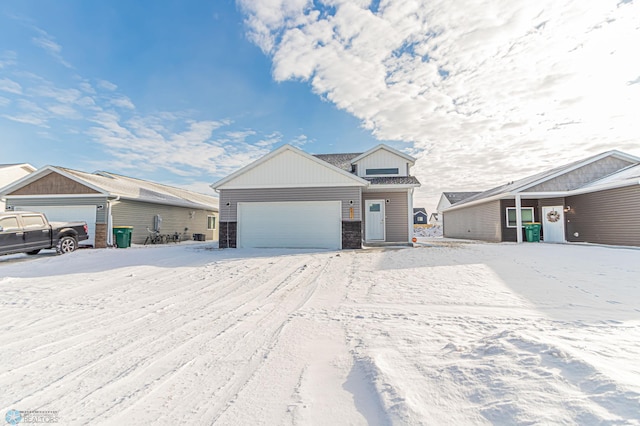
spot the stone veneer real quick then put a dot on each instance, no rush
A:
(101, 236)
(351, 235)
(227, 229)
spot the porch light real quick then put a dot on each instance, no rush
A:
(567, 208)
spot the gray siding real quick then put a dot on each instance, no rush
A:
(605, 217)
(480, 222)
(101, 214)
(582, 175)
(396, 214)
(174, 219)
(344, 194)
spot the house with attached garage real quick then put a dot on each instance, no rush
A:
(293, 199)
(593, 200)
(105, 200)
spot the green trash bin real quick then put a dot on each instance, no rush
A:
(532, 231)
(122, 236)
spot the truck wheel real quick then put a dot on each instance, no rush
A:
(66, 245)
(33, 252)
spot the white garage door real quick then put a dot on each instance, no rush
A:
(68, 214)
(300, 224)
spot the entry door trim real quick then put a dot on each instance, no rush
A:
(369, 221)
(549, 228)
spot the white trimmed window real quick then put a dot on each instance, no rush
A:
(420, 219)
(211, 222)
(527, 216)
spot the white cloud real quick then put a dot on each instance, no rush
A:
(485, 92)
(122, 102)
(10, 86)
(4, 101)
(8, 58)
(107, 85)
(45, 41)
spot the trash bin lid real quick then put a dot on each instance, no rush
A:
(123, 227)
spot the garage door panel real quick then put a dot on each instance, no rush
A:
(68, 214)
(309, 224)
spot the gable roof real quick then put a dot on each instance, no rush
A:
(455, 197)
(114, 185)
(341, 161)
(409, 158)
(417, 210)
(514, 187)
(345, 175)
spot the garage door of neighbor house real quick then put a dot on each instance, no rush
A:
(68, 214)
(297, 224)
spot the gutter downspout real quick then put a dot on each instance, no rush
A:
(110, 222)
(410, 219)
(518, 219)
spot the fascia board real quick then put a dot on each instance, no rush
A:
(388, 148)
(25, 180)
(378, 188)
(618, 154)
(220, 184)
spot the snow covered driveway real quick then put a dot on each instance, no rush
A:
(449, 334)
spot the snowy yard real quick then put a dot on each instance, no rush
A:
(447, 333)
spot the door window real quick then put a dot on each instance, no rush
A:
(9, 224)
(33, 221)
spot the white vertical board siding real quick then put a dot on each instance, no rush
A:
(290, 169)
(480, 222)
(382, 159)
(344, 194)
(302, 224)
(396, 214)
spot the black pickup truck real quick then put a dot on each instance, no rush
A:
(28, 232)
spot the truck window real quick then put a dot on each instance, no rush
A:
(9, 224)
(33, 221)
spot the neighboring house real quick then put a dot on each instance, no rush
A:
(10, 173)
(289, 198)
(434, 219)
(595, 200)
(447, 199)
(104, 200)
(420, 216)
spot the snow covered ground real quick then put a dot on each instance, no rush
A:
(443, 333)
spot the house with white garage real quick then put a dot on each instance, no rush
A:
(105, 200)
(10, 173)
(293, 199)
(592, 200)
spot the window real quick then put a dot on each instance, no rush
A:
(420, 219)
(374, 207)
(211, 222)
(382, 171)
(9, 224)
(527, 216)
(33, 221)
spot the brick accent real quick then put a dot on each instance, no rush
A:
(101, 235)
(351, 235)
(227, 229)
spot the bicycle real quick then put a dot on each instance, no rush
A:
(154, 237)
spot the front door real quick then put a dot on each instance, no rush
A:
(374, 220)
(553, 224)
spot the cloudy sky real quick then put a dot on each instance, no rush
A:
(481, 92)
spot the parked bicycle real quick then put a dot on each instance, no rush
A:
(154, 237)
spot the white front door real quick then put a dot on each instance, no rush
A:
(553, 224)
(374, 220)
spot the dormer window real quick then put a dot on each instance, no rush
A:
(389, 171)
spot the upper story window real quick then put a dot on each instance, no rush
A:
(390, 171)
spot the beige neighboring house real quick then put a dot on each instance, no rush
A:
(593, 200)
(293, 199)
(10, 173)
(105, 200)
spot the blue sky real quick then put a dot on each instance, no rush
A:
(184, 93)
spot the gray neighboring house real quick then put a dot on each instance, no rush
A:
(10, 173)
(594, 200)
(293, 199)
(105, 200)
(420, 216)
